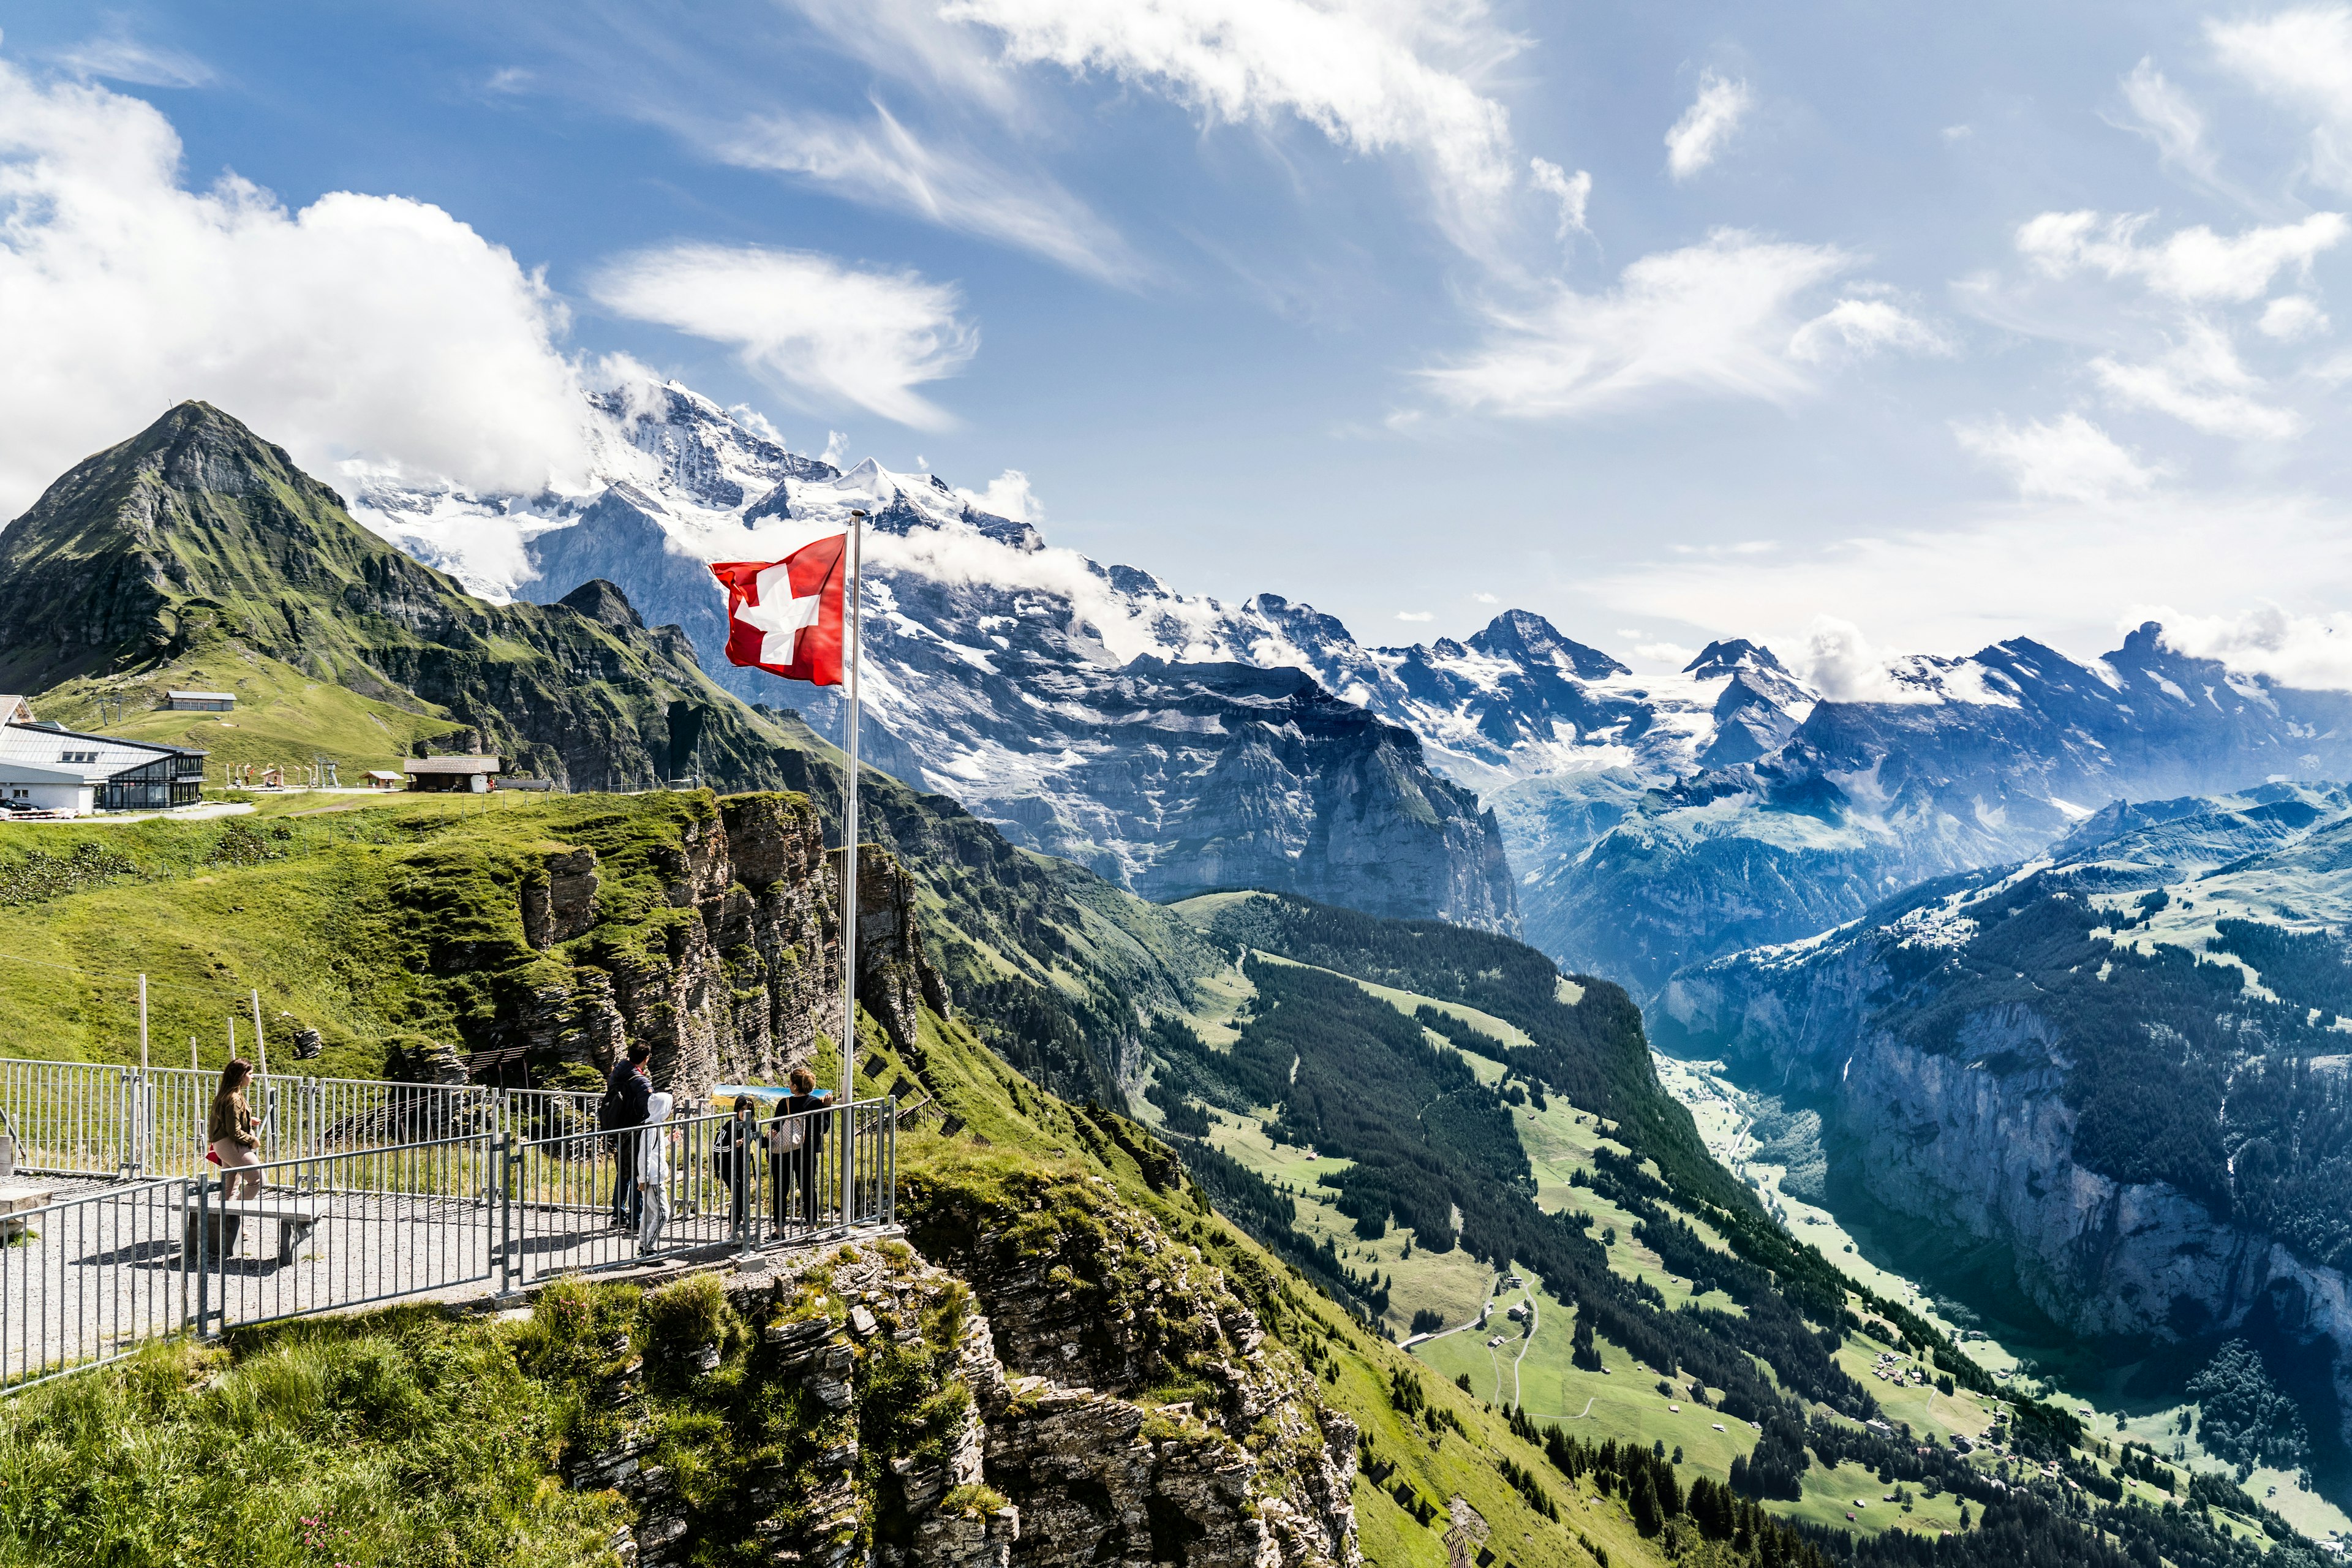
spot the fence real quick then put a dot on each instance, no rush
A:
(84, 1278)
(91, 1119)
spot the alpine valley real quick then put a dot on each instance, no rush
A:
(1268, 1201)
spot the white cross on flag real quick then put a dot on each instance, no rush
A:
(784, 616)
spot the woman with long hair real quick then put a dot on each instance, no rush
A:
(236, 1141)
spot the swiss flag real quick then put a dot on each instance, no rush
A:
(784, 616)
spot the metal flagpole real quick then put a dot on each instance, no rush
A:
(261, 1068)
(849, 864)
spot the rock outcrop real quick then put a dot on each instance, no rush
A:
(917, 1440)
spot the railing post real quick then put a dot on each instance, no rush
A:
(202, 1209)
(506, 1174)
(890, 1180)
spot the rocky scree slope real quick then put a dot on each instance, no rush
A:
(2121, 1068)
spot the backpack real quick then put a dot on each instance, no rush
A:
(608, 1109)
(723, 1152)
(791, 1134)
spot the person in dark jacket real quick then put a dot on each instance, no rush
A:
(734, 1162)
(626, 1092)
(794, 1141)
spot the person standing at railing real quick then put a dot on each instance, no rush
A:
(235, 1141)
(793, 1144)
(626, 1093)
(733, 1162)
(653, 1172)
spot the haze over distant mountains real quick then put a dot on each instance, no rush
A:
(1647, 821)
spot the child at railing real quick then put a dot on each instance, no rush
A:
(236, 1145)
(652, 1172)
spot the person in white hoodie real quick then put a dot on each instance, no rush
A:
(652, 1172)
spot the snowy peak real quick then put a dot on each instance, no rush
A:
(1527, 638)
(1731, 656)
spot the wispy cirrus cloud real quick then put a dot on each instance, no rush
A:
(884, 164)
(821, 332)
(2191, 265)
(2201, 381)
(2300, 58)
(117, 55)
(1723, 318)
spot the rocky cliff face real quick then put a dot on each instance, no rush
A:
(733, 977)
(2040, 1063)
(940, 1422)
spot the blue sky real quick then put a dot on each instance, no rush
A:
(1845, 327)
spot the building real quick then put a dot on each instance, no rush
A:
(200, 701)
(377, 778)
(460, 775)
(14, 711)
(51, 769)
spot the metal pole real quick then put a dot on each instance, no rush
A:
(142, 1025)
(849, 831)
(261, 1068)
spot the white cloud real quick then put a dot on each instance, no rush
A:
(122, 291)
(1374, 79)
(2193, 265)
(2291, 316)
(836, 448)
(818, 331)
(2301, 58)
(885, 165)
(1009, 495)
(1840, 663)
(117, 55)
(1416, 615)
(2162, 112)
(1574, 193)
(2068, 458)
(1696, 139)
(1713, 317)
(1485, 599)
(2305, 651)
(2201, 383)
(1864, 326)
(1671, 654)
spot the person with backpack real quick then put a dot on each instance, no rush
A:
(730, 1160)
(626, 1092)
(793, 1144)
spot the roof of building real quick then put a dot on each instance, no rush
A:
(46, 746)
(14, 710)
(450, 765)
(382, 774)
(13, 772)
(202, 696)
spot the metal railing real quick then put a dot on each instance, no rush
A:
(84, 1278)
(96, 1119)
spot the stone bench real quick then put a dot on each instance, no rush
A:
(15, 1197)
(297, 1217)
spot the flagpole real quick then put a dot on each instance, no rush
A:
(849, 853)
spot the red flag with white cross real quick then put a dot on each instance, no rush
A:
(784, 616)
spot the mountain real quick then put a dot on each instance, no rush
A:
(2108, 1084)
(1086, 712)
(196, 552)
(1970, 762)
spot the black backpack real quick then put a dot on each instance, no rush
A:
(608, 1109)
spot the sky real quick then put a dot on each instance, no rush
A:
(1850, 329)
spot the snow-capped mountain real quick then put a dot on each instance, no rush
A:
(1640, 822)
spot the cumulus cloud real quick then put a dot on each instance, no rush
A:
(1009, 495)
(2199, 382)
(1573, 192)
(1861, 326)
(1374, 79)
(885, 165)
(2067, 458)
(2291, 316)
(2192, 265)
(1485, 599)
(2305, 651)
(122, 291)
(1416, 615)
(1717, 318)
(820, 332)
(1708, 124)
(1840, 663)
(2301, 58)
